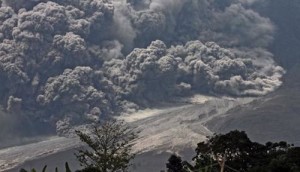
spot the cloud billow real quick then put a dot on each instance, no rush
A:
(73, 61)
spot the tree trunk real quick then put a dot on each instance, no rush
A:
(222, 163)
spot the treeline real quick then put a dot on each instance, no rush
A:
(235, 152)
(110, 146)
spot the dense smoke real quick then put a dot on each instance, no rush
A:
(71, 61)
(158, 72)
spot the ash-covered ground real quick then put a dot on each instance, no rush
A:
(173, 128)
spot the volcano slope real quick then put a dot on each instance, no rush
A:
(271, 118)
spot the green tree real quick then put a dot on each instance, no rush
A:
(234, 151)
(175, 164)
(109, 146)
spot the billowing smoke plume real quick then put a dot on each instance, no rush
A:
(71, 61)
(158, 72)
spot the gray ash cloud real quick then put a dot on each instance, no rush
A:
(158, 72)
(72, 61)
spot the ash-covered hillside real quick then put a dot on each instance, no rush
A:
(68, 62)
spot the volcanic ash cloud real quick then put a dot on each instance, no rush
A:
(69, 62)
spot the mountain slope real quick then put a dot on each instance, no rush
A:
(271, 118)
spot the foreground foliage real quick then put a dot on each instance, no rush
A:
(109, 147)
(109, 150)
(67, 169)
(234, 151)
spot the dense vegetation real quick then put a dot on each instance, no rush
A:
(234, 151)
